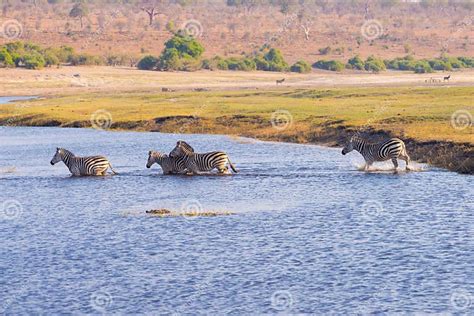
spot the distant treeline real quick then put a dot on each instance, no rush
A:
(184, 53)
(32, 56)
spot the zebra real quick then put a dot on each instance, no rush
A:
(169, 165)
(82, 166)
(392, 148)
(446, 78)
(196, 163)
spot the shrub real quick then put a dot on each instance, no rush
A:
(374, 64)
(468, 61)
(50, 58)
(272, 60)
(181, 53)
(33, 60)
(301, 66)
(85, 59)
(355, 63)
(147, 63)
(438, 64)
(422, 66)
(6, 59)
(332, 65)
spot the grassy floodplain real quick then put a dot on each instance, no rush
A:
(421, 115)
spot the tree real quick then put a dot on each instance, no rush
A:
(151, 8)
(79, 10)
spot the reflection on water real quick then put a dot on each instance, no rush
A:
(311, 234)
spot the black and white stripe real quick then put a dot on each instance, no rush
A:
(392, 148)
(184, 145)
(82, 166)
(196, 163)
(169, 165)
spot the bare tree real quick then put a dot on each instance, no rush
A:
(151, 8)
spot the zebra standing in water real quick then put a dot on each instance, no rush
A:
(197, 163)
(82, 166)
(169, 165)
(392, 148)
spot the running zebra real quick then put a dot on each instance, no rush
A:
(392, 148)
(82, 166)
(169, 165)
(197, 163)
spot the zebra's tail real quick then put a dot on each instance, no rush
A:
(112, 169)
(232, 166)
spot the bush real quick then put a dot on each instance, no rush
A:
(181, 53)
(85, 59)
(301, 66)
(355, 63)
(374, 64)
(6, 59)
(147, 63)
(468, 61)
(332, 65)
(33, 60)
(422, 66)
(438, 64)
(272, 60)
(50, 58)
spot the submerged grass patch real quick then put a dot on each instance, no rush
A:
(167, 213)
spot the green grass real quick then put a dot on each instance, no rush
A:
(419, 113)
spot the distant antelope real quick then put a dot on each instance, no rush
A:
(447, 78)
(280, 81)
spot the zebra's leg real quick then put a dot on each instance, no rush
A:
(395, 164)
(407, 161)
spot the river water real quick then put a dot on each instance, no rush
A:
(311, 233)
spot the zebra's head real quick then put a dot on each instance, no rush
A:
(58, 156)
(154, 157)
(349, 146)
(180, 148)
(352, 144)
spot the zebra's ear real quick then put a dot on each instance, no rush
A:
(57, 148)
(150, 152)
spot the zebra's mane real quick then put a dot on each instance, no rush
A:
(66, 151)
(186, 145)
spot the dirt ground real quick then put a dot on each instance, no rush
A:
(70, 80)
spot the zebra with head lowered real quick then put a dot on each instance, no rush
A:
(196, 163)
(82, 166)
(392, 148)
(169, 165)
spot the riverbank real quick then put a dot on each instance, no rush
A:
(435, 122)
